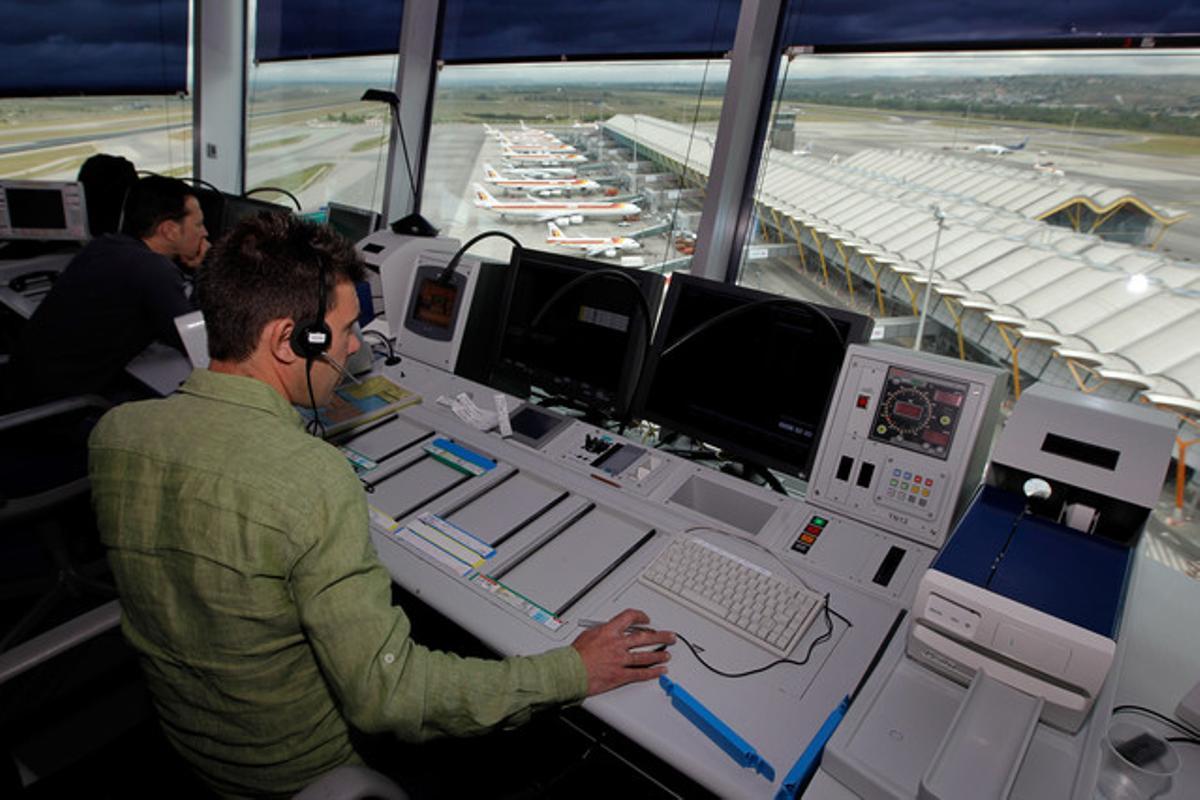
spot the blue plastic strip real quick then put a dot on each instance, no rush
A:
(804, 768)
(738, 748)
(466, 455)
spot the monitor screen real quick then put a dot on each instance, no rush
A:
(355, 224)
(36, 208)
(586, 345)
(237, 208)
(435, 302)
(754, 382)
(42, 210)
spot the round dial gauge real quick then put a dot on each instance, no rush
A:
(905, 410)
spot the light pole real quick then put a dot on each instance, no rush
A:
(937, 240)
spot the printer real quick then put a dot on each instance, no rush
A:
(1029, 588)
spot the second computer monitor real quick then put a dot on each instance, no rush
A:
(585, 344)
(352, 222)
(746, 371)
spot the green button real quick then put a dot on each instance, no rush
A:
(820, 522)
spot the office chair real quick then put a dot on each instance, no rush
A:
(43, 465)
(352, 783)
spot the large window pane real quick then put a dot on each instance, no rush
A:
(309, 134)
(49, 138)
(562, 147)
(1051, 196)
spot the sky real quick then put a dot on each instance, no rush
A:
(85, 44)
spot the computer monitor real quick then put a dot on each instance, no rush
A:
(586, 344)
(354, 223)
(43, 210)
(748, 372)
(237, 208)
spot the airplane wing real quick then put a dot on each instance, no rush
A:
(597, 249)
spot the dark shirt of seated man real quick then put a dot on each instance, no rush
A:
(120, 293)
(249, 584)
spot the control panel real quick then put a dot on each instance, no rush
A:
(906, 439)
(43, 210)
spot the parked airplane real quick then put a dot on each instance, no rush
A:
(539, 185)
(994, 149)
(607, 246)
(544, 211)
(541, 172)
(545, 159)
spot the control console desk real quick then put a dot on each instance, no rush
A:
(519, 539)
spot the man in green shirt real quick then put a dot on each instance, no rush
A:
(240, 547)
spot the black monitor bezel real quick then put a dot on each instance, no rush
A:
(368, 215)
(859, 330)
(651, 285)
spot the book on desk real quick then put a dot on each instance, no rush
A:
(356, 404)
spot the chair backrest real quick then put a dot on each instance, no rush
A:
(106, 180)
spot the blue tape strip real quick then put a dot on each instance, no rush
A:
(806, 766)
(735, 746)
(464, 453)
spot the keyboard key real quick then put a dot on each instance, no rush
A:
(772, 611)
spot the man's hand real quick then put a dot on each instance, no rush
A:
(196, 259)
(606, 652)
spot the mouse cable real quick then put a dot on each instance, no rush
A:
(824, 637)
(1150, 712)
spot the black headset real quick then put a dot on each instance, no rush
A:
(312, 337)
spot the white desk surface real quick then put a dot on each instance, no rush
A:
(777, 711)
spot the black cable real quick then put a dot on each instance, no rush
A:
(743, 309)
(643, 304)
(824, 637)
(1150, 712)
(392, 359)
(444, 277)
(257, 189)
(1183, 740)
(314, 426)
(201, 182)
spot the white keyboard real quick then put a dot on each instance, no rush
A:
(770, 610)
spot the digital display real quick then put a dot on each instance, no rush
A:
(36, 208)
(918, 412)
(435, 303)
(575, 330)
(746, 371)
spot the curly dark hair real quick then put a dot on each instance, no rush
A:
(267, 268)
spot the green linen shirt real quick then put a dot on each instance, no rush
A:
(252, 592)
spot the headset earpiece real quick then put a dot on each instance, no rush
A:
(312, 337)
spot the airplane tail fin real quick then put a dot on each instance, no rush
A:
(555, 231)
(482, 197)
(490, 172)
(1021, 146)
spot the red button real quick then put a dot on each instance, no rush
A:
(862, 401)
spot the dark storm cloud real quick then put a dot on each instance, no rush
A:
(850, 22)
(68, 46)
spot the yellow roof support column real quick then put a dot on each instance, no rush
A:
(912, 295)
(846, 267)
(956, 315)
(1014, 350)
(799, 244)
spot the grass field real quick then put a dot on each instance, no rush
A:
(369, 144)
(1163, 146)
(283, 142)
(297, 181)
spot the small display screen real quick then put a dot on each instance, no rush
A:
(36, 208)
(919, 412)
(435, 303)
